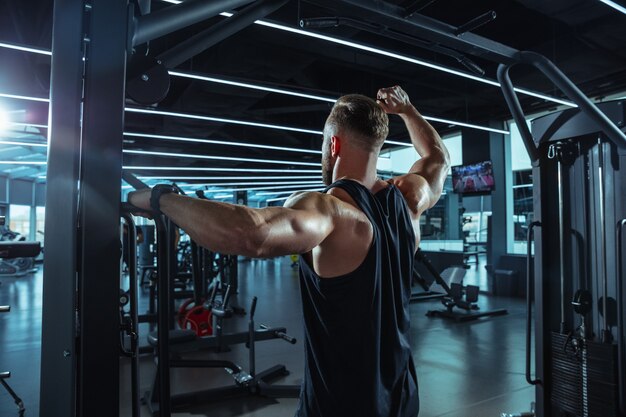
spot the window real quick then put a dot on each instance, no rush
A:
(522, 192)
(40, 222)
(20, 219)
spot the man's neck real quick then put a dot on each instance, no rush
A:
(362, 170)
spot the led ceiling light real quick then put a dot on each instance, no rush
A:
(251, 86)
(284, 192)
(25, 49)
(284, 177)
(614, 5)
(235, 184)
(220, 158)
(220, 196)
(30, 98)
(214, 169)
(28, 125)
(11, 142)
(22, 162)
(221, 120)
(271, 200)
(218, 142)
(281, 187)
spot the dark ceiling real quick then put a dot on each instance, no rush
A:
(585, 38)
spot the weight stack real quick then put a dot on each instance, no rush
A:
(602, 379)
(584, 383)
(567, 378)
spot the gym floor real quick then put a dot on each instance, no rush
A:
(473, 369)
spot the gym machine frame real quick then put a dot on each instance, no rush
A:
(80, 349)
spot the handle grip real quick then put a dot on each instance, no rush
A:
(253, 308)
(529, 239)
(281, 335)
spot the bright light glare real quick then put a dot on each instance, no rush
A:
(614, 5)
(4, 120)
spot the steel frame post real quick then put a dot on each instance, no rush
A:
(58, 353)
(80, 353)
(101, 175)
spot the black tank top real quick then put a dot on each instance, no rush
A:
(357, 353)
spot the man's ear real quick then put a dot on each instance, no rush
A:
(335, 145)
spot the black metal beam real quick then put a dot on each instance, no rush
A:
(173, 18)
(218, 32)
(560, 80)
(392, 16)
(99, 210)
(58, 353)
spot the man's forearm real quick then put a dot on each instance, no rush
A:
(220, 227)
(424, 137)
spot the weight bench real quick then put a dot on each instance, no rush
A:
(464, 298)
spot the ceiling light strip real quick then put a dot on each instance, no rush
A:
(213, 169)
(23, 162)
(217, 142)
(30, 98)
(271, 200)
(247, 184)
(25, 48)
(283, 192)
(614, 5)
(251, 86)
(283, 177)
(453, 122)
(11, 142)
(283, 187)
(219, 158)
(221, 120)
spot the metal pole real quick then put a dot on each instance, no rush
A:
(218, 32)
(606, 333)
(173, 18)
(58, 339)
(131, 245)
(559, 168)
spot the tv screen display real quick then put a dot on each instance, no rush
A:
(473, 179)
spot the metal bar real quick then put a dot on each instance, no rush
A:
(390, 15)
(475, 23)
(134, 316)
(99, 209)
(606, 332)
(559, 176)
(5, 309)
(173, 18)
(163, 327)
(529, 276)
(620, 314)
(516, 111)
(58, 354)
(569, 88)
(218, 32)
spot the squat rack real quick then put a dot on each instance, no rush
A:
(90, 45)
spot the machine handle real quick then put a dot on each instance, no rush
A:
(620, 319)
(253, 308)
(529, 276)
(281, 335)
(5, 309)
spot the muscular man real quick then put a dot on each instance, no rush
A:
(357, 240)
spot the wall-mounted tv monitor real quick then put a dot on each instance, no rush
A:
(473, 179)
